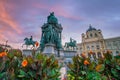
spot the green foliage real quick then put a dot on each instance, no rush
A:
(93, 75)
(38, 67)
(107, 68)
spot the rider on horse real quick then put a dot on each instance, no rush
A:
(72, 43)
(71, 40)
(29, 41)
(31, 38)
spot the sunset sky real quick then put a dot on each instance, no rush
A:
(23, 18)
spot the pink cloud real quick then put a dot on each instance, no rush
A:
(59, 10)
(7, 19)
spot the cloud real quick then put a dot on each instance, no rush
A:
(58, 9)
(22, 18)
(7, 19)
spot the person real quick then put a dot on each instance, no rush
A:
(31, 38)
(71, 39)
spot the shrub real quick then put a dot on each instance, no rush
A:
(15, 66)
(107, 68)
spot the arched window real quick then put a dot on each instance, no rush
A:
(96, 35)
(91, 35)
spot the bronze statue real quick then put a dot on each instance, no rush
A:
(51, 32)
(29, 41)
(71, 44)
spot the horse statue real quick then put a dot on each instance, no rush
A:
(71, 44)
(29, 42)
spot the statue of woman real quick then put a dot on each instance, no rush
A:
(52, 19)
(49, 34)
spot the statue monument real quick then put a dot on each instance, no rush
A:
(28, 42)
(72, 45)
(51, 35)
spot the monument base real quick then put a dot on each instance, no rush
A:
(30, 52)
(27, 52)
(69, 55)
(49, 49)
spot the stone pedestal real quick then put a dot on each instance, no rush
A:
(61, 53)
(27, 52)
(49, 49)
(68, 55)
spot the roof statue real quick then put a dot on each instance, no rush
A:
(90, 28)
(51, 32)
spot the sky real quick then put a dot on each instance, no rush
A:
(23, 18)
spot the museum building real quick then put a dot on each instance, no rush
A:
(93, 41)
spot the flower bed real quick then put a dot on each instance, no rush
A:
(105, 68)
(15, 66)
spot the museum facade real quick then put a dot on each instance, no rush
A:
(93, 41)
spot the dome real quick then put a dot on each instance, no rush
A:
(90, 29)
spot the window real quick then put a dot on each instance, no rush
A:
(96, 35)
(108, 44)
(98, 47)
(91, 35)
(92, 47)
(88, 48)
(114, 43)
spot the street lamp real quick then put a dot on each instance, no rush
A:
(6, 43)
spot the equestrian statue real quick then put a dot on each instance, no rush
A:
(29, 41)
(72, 44)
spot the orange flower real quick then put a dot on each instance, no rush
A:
(37, 44)
(91, 52)
(83, 55)
(0, 55)
(3, 54)
(24, 63)
(86, 62)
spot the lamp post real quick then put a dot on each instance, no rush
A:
(6, 44)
